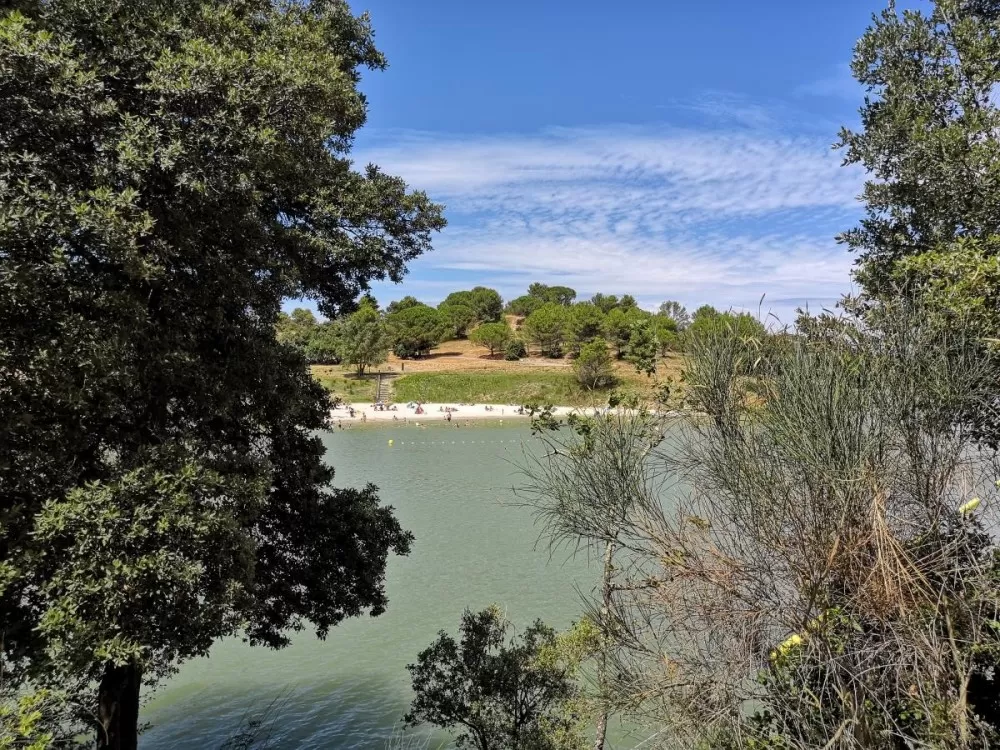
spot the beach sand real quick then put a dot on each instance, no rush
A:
(436, 413)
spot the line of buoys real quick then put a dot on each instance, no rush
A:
(455, 442)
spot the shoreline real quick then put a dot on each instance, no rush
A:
(365, 413)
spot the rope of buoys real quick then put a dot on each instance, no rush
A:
(456, 442)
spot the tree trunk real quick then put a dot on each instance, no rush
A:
(601, 730)
(118, 708)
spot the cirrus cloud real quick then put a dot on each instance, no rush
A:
(716, 215)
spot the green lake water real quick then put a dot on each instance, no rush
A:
(452, 488)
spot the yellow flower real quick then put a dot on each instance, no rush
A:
(970, 506)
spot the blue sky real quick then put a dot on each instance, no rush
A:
(672, 149)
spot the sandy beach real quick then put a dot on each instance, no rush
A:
(435, 412)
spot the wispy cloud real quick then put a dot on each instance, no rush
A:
(711, 215)
(840, 83)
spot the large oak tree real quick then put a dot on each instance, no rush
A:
(170, 171)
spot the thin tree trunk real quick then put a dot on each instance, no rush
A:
(118, 708)
(601, 730)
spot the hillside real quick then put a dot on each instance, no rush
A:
(459, 371)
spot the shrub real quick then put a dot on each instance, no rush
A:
(594, 367)
(515, 350)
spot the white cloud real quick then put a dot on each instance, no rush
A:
(720, 216)
(839, 84)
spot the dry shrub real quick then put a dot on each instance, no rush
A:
(811, 582)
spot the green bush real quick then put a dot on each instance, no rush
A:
(516, 349)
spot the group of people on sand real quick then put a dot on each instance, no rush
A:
(379, 406)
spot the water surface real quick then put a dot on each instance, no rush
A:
(451, 486)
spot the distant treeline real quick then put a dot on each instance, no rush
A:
(548, 318)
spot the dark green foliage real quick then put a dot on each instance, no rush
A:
(643, 346)
(317, 341)
(604, 302)
(559, 295)
(618, 329)
(297, 328)
(494, 336)
(705, 312)
(494, 693)
(594, 367)
(515, 350)
(487, 303)
(178, 170)
(323, 347)
(401, 304)
(362, 339)
(524, 305)
(416, 330)
(585, 323)
(928, 136)
(668, 339)
(459, 318)
(928, 139)
(546, 326)
(744, 325)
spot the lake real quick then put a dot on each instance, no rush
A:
(452, 488)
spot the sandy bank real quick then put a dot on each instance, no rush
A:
(435, 412)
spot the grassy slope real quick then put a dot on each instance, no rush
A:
(459, 372)
(496, 388)
(345, 385)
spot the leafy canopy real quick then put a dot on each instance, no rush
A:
(928, 132)
(560, 295)
(594, 367)
(181, 168)
(546, 326)
(363, 340)
(497, 694)
(416, 330)
(494, 336)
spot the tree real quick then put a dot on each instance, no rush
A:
(401, 304)
(296, 329)
(416, 330)
(594, 367)
(524, 305)
(628, 303)
(586, 322)
(604, 302)
(182, 169)
(643, 347)
(928, 133)
(618, 328)
(363, 339)
(676, 312)
(323, 347)
(705, 312)
(546, 326)
(559, 295)
(497, 695)
(928, 140)
(515, 350)
(458, 318)
(667, 337)
(487, 303)
(494, 336)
